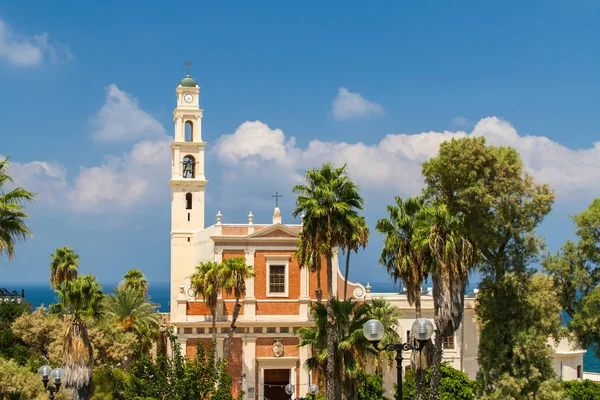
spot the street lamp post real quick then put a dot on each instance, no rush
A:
(291, 389)
(48, 374)
(422, 330)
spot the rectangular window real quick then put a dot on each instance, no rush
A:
(271, 330)
(448, 342)
(187, 331)
(276, 279)
(200, 331)
(284, 330)
(257, 330)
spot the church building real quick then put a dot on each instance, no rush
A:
(264, 356)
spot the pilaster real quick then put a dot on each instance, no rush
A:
(249, 362)
(249, 299)
(181, 305)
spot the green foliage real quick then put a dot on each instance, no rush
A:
(82, 296)
(582, 390)
(370, 387)
(576, 273)
(12, 217)
(18, 382)
(177, 378)
(501, 206)
(11, 346)
(130, 309)
(454, 385)
(134, 279)
(63, 266)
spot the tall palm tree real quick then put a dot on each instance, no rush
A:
(12, 217)
(309, 256)
(134, 312)
(207, 281)
(358, 236)
(80, 297)
(406, 260)
(235, 272)
(134, 278)
(329, 201)
(63, 266)
(441, 233)
(351, 349)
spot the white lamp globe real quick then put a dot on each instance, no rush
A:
(422, 329)
(57, 375)
(44, 371)
(373, 330)
(314, 389)
(289, 389)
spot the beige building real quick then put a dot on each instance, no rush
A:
(265, 355)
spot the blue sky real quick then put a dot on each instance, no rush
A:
(87, 93)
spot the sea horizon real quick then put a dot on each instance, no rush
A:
(39, 294)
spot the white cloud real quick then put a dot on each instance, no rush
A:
(137, 178)
(461, 122)
(394, 164)
(46, 178)
(353, 105)
(121, 119)
(30, 50)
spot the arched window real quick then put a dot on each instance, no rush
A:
(189, 131)
(189, 167)
(188, 201)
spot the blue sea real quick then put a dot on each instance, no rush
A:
(38, 294)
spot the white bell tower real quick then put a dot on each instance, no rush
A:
(187, 170)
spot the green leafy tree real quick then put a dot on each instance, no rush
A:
(208, 282)
(501, 207)
(452, 255)
(370, 387)
(235, 272)
(13, 227)
(454, 385)
(63, 266)
(576, 273)
(389, 315)
(80, 297)
(135, 279)
(11, 345)
(19, 383)
(581, 390)
(130, 309)
(329, 201)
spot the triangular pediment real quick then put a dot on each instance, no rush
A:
(275, 231)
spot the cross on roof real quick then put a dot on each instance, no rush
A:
(188, 64)
(277, 196)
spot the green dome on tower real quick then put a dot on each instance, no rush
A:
(188, 81)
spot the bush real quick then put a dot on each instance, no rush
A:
(454, 385)
(582, 390)
(370, 387)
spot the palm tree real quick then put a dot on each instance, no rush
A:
(309, 256)
(12, 217)
(134, 278)
(352, 347)
(358, 236)
(388, 314)
(407, 261)
(235, 272)
(207, 281)
(79, 297)
(329, 201)
(441, 233)
(63, 266)
(134, 312)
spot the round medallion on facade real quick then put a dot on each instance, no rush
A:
(358, 293)
(278, 348)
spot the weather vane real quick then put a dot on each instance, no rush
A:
(277, 196)
(188, 64)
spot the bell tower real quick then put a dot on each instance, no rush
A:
(187, 169)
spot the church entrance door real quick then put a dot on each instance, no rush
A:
(274, 384)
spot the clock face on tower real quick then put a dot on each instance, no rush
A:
(188, 98)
